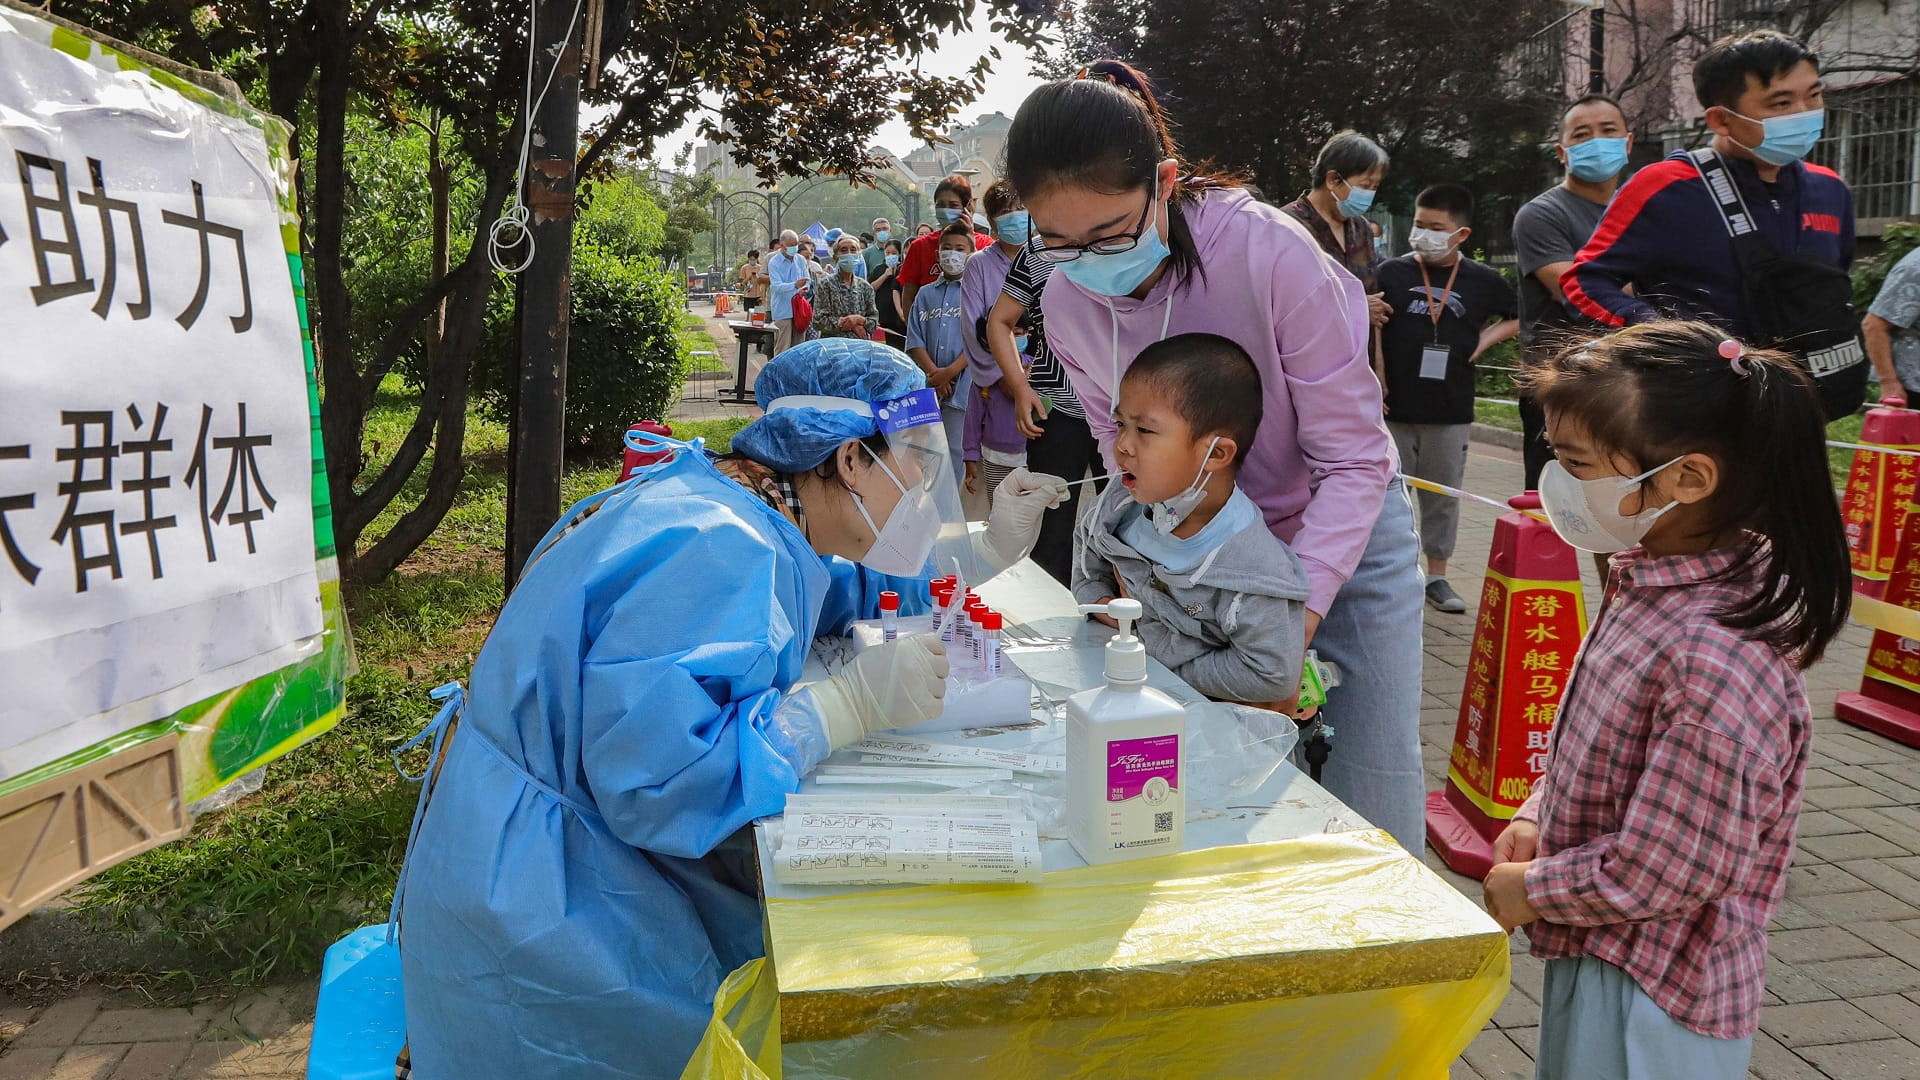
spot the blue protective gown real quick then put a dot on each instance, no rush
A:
(565, 910)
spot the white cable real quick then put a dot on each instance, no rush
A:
(509, 230)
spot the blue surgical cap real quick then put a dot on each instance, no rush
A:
(795, 440)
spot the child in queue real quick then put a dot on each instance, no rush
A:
(994, 446)
(1225, 600)
(1651, 854)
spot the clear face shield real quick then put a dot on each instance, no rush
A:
(926, 530)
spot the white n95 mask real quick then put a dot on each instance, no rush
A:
(1586, 513)
(901, 546)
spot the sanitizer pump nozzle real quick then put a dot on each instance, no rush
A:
(1126, 653)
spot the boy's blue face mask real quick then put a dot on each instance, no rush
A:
(1597, 160)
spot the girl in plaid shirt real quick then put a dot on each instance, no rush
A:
(1648, 859)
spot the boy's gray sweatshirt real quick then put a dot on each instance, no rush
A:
(1233, 627)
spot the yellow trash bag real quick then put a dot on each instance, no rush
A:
(743, 1037)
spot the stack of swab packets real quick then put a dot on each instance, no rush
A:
(874, 839)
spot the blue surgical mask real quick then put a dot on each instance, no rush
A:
(893, 261)
(1358, 201)
(850, 264)
(946, 215)
(1013, 227)
(1121, 273)
(1786, 139)
(1020, 344)
(882, 236)
(1597, 160)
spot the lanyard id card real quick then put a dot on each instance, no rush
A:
(1433, 361)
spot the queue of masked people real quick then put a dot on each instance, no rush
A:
(1253, 383)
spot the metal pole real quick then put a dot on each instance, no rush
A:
(1596, 50)
(536, 439)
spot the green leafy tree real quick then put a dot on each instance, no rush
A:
(457, 72)
(1423, 77)
(689, 204)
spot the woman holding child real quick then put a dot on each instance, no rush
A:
(1150, 251)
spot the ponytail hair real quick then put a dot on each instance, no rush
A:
(1655, 392)
(1105, 130)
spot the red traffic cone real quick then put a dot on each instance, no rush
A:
(1532, 617)
(1889, 697)
(1879, 487)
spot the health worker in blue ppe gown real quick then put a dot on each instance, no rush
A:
(581, 877)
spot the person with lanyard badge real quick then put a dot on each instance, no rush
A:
(935, 336)
(1594, 145)
(1149, 250)
(1427, 350)
(580, 876)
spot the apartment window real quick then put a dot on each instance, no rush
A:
(1872, 140)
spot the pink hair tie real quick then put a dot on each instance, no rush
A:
(1734, 354)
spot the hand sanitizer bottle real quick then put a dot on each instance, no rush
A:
(1126, 756)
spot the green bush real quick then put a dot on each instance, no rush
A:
(1900, 238)
(625, 357)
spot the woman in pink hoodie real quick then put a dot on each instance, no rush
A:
(1148, 250)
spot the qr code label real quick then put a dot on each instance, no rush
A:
(1163, 822)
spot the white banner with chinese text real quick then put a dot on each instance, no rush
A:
(156, 468)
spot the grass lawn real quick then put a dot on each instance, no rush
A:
(693, 331)
(260, 890)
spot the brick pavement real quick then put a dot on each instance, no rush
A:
(1843, 986)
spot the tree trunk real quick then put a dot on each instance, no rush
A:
(343, 412)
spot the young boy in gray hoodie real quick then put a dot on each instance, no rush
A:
(1225, 599)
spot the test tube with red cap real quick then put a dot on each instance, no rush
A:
(990, 625)
(942, 598)
(889, 615)
(976, 635)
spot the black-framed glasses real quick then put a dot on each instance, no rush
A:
(1106, 245)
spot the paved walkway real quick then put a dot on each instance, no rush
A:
(1843, 985)
(701, 398)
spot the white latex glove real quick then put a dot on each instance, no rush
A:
(895, 685)
(1013, 524)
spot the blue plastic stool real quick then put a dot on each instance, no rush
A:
(361, 1020)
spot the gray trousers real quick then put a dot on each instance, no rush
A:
(1372, 632)
(1597, 1024)
(1436, 452)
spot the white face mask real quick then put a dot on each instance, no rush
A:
(1169, 513)
(1586, 513)
(1430, 244)
(953, 263)
(902, 546)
